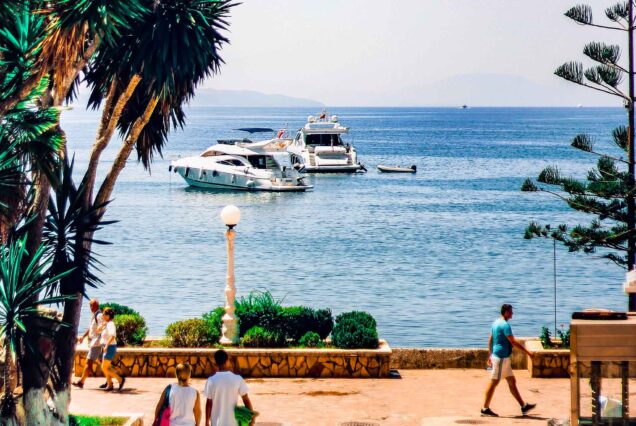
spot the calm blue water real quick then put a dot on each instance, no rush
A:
(432, 256)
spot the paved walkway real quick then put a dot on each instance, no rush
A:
(420, 397)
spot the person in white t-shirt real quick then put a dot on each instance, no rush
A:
(184, 401)
(94, 342)
(222, 390)
(109, 348)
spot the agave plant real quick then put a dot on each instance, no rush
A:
(22, 278)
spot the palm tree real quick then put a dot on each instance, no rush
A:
(143, 59)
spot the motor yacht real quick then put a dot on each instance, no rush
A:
(318, 147)
(249, 166)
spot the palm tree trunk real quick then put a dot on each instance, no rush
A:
(108, 184)
(107, 125)
(11, 101)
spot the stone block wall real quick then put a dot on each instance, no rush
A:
(440, 358)
(161, 362)
(548, 362)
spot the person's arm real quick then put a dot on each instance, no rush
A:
(160, 404)
(208, 411)
(197, 410)
(514, 342)
(82, 337)
(247, 402)
(489, 362)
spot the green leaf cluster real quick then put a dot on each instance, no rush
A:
(355, 330)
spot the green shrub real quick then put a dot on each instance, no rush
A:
(260, 308)
(214, 321)
(191, 333)
(311, 339)
(297, 321)
(565, 338)
(118, 309)
(258, 337)
(355, 330)
(131, 329)
(323, 322)
(546, 338)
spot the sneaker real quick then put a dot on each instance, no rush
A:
(121, 384)
(109, 389)
(104, 386)
(488, 412)
(527, 408)
(78, 385)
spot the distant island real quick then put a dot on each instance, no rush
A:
(248, 98)
(229, 98)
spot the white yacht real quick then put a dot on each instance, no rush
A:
(249, 166)
(318, 147)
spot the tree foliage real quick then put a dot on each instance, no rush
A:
(608, 187)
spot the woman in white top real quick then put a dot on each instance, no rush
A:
(109, 342)
(184, 403)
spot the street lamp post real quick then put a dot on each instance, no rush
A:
(231, 216)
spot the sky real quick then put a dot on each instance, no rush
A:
(409, 52)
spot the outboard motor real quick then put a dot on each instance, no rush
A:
(414, 168)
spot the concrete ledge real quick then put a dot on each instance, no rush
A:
(284, 362)
(440, 358)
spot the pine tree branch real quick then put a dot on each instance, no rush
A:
(619, 94)
(582, 207)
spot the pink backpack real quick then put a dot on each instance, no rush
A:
(164, 412)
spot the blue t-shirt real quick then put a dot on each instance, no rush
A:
(501, 346)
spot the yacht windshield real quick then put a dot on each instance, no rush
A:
(231, 162)
(324, 140)
(262, 161)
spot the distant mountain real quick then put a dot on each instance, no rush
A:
(500, 90)
(232, 98)
(248, 98)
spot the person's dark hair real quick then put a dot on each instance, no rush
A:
(505, 308)
(109, 312)
(220, 357)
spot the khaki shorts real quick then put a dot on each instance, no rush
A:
(94, 353)
(501, 368)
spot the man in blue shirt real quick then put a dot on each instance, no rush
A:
(500, 345)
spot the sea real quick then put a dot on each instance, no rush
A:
(432, 255)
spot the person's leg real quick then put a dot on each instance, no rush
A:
(512, 384)
(88, 368)
(490, 391)
(107, 372)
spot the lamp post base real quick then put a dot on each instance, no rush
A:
(227, 342)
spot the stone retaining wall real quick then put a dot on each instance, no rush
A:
(440, 358)
(548, 362)
(161, 362)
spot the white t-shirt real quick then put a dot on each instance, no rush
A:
(223, 389)
(93, 336)
(182, 399)
(108, 332)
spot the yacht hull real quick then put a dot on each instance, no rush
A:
(232, 187)
(334, 169)
(235, 182)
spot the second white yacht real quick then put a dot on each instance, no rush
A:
(318, 147)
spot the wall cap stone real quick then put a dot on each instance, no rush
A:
(383, 349)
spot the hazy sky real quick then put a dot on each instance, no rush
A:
(370, 52)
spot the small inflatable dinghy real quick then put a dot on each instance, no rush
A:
(397, 169)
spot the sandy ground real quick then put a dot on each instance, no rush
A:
(420, 397)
